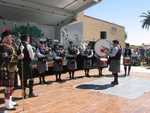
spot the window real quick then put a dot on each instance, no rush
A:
(103, 35)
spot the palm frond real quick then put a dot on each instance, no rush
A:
(146, 20)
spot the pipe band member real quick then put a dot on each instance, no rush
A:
(8, 68)
(127, 58)
(88, 54)
(71, 59)
(42, 53)
(58, 56)
(114, 59)
(25, 65)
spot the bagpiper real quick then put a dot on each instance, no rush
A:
(71, 59)
(88, 54)
(114, 61)
(58, 57)
(26, 56)
(42, 55)
(8, 68)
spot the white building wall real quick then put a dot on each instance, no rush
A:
(72, 32)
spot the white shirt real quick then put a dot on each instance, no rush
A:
(38, 53)
(30, 50)
(114, 51)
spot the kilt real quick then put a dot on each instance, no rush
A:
(42, 66)
(26, 67)
(114, 66)
(7, 83)
(71, 64)
(87, 63)
(27, 70)
(6, 77)
(96, 62)
(58, 67)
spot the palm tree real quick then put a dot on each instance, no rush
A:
(146, 20)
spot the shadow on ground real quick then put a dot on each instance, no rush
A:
(110, 75)
(94, 87)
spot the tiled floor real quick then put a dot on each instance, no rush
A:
(64, 97)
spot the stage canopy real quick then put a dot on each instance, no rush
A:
(47, 12)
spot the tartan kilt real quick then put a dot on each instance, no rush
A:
(6, 78)
(114, 66)
(27, 70)
(87, 63)
(96, 62)
(42, 66)
(71, 64)
(58, 67)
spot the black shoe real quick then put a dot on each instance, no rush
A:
(87, 75)
(45, 82)
(114, 83)
(40, 82)
(10, 109)
(59, 79)
(32, 95)
(24, 95)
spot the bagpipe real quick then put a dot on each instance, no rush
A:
(72, 53)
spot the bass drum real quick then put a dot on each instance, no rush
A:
(102, 47)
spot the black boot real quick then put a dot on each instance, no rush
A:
(60, 76)
(129, 70)
(56, 77)
(100, 71)
(115, 82)
(70, 75)
(24, 93)
(73, 75)
(40, 80)
(88, 73)
(31, 94)
(125, 69)
(43, 78)
(85, 72)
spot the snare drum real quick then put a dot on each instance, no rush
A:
(127, 61)
(103, 62)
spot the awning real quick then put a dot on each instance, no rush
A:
(47, 12)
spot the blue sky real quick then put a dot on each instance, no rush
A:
(126, 13)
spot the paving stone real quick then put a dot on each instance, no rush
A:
(66, 98)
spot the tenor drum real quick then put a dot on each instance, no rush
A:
(102, 47)
(127, 61)
(103, 62)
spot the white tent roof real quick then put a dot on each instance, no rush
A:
(49, 12)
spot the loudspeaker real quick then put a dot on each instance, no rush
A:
(103, 35)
